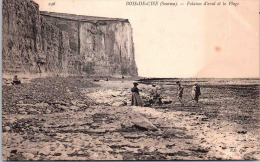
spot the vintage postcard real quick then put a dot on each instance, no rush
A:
(130, 80)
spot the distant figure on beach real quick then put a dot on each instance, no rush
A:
(16, 80)
(180, 92)
(155, 95)
(195, 92)
(136, 99)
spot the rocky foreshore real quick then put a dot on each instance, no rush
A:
(73, 118)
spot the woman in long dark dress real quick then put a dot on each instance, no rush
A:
(196, 93)
(136, 99)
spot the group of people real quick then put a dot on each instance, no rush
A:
(156, 98)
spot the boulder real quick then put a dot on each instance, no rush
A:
(6, 129)
(28, 156)
(74, 107)
(117, 104)
(143, 123)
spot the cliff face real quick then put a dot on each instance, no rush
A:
(105, 45)
(108, 45)
(35, 42)
(31, 44)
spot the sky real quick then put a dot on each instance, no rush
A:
(183, 41)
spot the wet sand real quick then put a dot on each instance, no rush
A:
(74, 118)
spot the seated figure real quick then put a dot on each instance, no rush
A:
(155, 95)
(16, 80)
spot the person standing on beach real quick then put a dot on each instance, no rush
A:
(136, 99)
(180, 92)
(123, 79)
(196, 92)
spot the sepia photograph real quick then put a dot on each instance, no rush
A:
(88, 80)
